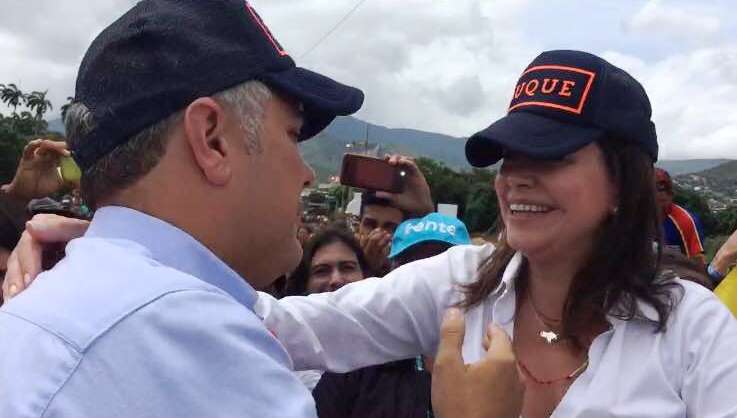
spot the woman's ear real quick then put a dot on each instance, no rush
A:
(204, 127)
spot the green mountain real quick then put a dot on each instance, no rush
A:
(56, 125)
(677, 167)
(726, 172)
(719, 181)
(450, 150)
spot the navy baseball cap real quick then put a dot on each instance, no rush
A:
(163, 54)
(563, 101)
(434, 227)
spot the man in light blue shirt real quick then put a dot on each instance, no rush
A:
(186, 120)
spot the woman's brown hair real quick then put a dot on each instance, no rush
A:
(622, 269)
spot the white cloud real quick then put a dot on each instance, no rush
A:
(42, 42)
(692, 96)
(440, 66)
(691, 23)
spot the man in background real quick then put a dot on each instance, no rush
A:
(378, 220)
(381, 213)
(681, 229)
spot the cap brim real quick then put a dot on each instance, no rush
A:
(529, 134)
(323, 98)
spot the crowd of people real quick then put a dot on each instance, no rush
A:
(196, 289)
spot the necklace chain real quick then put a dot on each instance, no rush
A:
(569, 376)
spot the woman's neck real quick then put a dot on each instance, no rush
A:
(549, 281)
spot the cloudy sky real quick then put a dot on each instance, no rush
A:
(447, 66)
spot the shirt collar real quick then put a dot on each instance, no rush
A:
(669, 208)
(645, 312)
(172, 247)
(509, 277)
(510, 274)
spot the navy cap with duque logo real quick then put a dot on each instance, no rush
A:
(163, 54)
(563, 101)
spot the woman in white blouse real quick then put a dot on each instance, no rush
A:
(597, 330)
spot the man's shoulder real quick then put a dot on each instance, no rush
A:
(192, 337)
(470, 255)
(680, 211)
(465, 260)
(98, 284)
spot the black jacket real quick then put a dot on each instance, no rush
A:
(393, 390)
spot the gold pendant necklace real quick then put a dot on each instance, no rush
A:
(547, 333)
(550, 337)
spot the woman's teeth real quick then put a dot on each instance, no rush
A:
(519, 208)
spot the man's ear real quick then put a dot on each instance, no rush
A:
(204, 129)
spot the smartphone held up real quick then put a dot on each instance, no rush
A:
(371, 173)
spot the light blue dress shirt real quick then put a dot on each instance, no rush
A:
(141, 320)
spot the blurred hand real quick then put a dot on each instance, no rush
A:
(726, 256)
(42, 232)
(37, 174)
(376, 246)
(416, 199)
(489, 388)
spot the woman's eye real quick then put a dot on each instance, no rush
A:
(348, 268)
(321, 272)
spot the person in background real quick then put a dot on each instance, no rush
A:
(433, 234)
(723, 274)
(675, 262)
(377, 221)
(37, 175)
(341, 251)
(13, 217)
(724, 259)
(304, 232)
(331, 259)
(681, 229)
(399, 389)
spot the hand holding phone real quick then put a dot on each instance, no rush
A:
(372, 173)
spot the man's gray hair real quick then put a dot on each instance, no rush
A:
(136, 157)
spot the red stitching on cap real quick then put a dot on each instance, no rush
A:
(266, 30)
